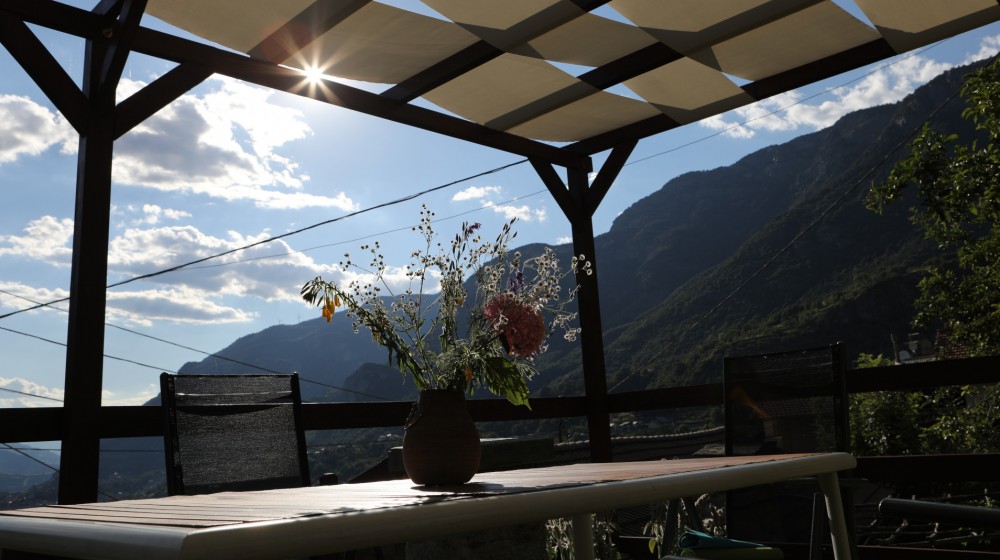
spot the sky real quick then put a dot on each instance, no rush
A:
(230, 164)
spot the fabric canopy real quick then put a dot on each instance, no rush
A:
(570, 70)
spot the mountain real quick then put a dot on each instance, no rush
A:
(773, 252)
(323, 352)
(24, 468)
(681, 285)
(694, 248)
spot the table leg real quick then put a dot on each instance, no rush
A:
(830, 485)
(583, 537)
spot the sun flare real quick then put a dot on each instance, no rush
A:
(313, 74)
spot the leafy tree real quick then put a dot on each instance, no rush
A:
(958, 186)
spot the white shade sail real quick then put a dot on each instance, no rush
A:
(542, 68)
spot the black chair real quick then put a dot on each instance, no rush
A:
(977, 516)
(230, 433)
(233, 433)
(786, 402)
(952, 526)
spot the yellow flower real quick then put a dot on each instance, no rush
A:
(328, 309)
(468, 374)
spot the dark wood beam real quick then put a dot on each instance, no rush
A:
(607, 174)
(806, 74)
(176, 49)
(129, 13)
(43, 68)
(471, 57)
(578, 200)
(644, 60)
(830, 66)
(554, 183)
(979, 467)
(80, 455)
(630, 66)
(158, 94)
(59, 16)
(595, 381)
(168, 47)
(923, 375)
(318, 18)
(31, 424)
(45, 424)
(666, 399)
(79, 458)
(610, 74)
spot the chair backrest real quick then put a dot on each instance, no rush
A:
(786, 402)
(233, 432)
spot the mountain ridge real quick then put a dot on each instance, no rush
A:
(690, 244)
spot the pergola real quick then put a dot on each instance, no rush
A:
(497, 70)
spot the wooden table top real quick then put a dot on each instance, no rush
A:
(526, 494)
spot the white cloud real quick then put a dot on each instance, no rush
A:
(222, 144)
(29, 129)
(989, 47)
(47, 239)
(472, 193)
(190, 295)
(10, 399)
(51, 396)
(396, 282)
(14, 400)
(563, 239)
(112, 398)
(177, 305)
(786, 112)
(152, 214)
(524, 213)
(26, 296)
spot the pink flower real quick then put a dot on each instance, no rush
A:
(522, 326)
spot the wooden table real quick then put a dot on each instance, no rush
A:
(308, 521)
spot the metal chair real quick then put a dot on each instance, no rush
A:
(233, 432)
(954, 526)
(786, 402)
(226, 433)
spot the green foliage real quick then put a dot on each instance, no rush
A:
(559, 538)
(958, 187)
(939, 421)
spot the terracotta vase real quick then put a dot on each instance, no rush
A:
(441, 443)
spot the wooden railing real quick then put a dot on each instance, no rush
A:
(44, 424)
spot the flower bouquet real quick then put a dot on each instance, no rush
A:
(441, 334)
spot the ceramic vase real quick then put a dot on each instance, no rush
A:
(441, 443)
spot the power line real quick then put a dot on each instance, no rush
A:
(109, 356)
(284, 235)
(214, 355)
(787, 107)
(446, 185)
(836, 204)
(362, 238)
(9, 390)
(151, 337)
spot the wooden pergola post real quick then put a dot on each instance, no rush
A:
(105, 58)
(94, 115)
(579, 199)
